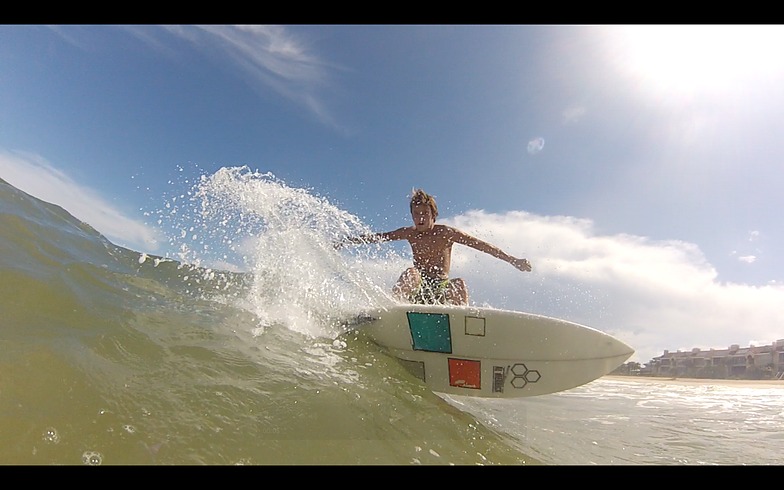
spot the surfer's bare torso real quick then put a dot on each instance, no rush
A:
(431, 247)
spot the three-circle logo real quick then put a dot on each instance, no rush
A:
(523, 375)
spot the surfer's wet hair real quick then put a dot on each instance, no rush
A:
(419, 197)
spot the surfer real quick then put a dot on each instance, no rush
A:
(431, 244)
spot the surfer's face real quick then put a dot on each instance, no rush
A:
(423, 217)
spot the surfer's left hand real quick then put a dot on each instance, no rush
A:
(522, 264)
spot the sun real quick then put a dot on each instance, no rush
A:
(708, 59)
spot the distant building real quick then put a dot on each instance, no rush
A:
(764, 362)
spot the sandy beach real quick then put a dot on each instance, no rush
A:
(746, 383)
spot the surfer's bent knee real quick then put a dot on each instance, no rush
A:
(408, 282)
(458, 292)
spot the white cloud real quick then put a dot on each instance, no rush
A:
(535, 145)
(654, 295)
(271, 56)
(35, 176)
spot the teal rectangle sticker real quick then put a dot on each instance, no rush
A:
(430, 331)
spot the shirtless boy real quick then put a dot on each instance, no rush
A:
(431, 244)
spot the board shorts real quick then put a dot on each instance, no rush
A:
(431, 291)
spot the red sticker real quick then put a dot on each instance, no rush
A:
(465, 373)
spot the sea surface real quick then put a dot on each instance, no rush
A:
(109, 356)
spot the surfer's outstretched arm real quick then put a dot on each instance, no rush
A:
(357, 240)
(475, 243)
(399, 234)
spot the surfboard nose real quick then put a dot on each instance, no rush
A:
(618, 352)
(619, 347)
(615, 347)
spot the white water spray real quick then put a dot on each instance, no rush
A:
(285, 238)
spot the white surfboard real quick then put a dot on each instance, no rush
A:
(487, 352)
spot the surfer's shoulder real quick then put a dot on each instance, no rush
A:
(446, 230)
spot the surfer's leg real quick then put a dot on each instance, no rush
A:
(457, 292)
(407, 284)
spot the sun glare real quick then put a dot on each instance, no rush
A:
(703, 58)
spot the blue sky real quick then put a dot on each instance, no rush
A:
(639, 168)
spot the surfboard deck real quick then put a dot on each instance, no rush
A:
(491, 353)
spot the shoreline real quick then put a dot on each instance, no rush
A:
(745, 383)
